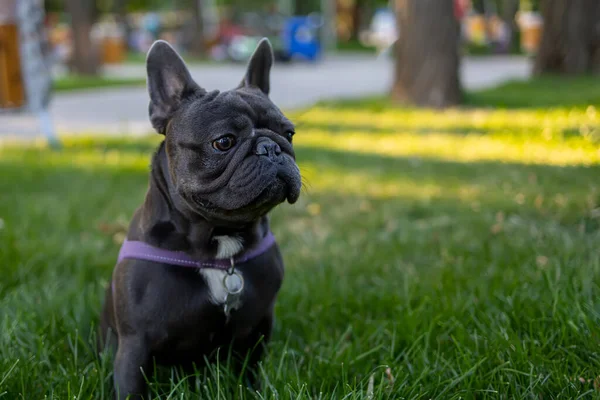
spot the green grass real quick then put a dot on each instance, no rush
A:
(73, 82)
(544, 91)
(354, 46)
(541, 93)
(459, 249)
(135, 58)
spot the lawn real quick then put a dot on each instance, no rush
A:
(432, 254)
(74, 82)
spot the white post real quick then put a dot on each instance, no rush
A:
(47, 127)
(37, 73)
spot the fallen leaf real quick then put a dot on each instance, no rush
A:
(532, 178)
(541, 261)
(110, 229)
(560, 200)
(597, 384)
(539, 201)
(389, 376)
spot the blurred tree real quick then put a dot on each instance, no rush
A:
(54, 5)
(305, 7)
(570, 38)
(509, 16)
(530, 5)
(120, 11)
(146, 5)
(85, 59)
(427, 57)
(362, 12)
(198, 45)
(193, 29)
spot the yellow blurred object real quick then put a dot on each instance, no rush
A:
(530, 38)
(12, 93)
(476, 29)
(531, 25)
(59, 35)
(113, 50)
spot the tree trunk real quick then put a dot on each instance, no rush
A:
(487, 21)
(570, 38)
(197, 45)
(302, 7)
(509, 14)
(85, 59)
(120, 10)
(427, 54)
(357, 11)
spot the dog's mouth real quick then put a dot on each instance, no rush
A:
(268, 198)
(254, 189)
(207, 206)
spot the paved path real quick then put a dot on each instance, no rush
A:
(124, 110)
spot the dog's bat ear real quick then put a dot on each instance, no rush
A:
(259, 67)
(169, 83)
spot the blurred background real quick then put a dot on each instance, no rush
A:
(85, 35)
(445, 244)
(335, 48)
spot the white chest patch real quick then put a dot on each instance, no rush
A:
(228, 247)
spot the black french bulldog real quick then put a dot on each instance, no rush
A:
(226, 160)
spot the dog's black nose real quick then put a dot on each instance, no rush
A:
(267, 147)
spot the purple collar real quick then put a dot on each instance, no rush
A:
(143, 251)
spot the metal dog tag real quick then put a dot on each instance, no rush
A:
(233, 282)
(231, 303)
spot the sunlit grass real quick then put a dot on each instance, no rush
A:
(553, 124)
(447, 146)
(459, 249)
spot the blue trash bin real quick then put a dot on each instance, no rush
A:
(301, 38)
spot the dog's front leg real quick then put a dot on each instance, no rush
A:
(132, 364)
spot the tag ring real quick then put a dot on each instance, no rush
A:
(233, 288)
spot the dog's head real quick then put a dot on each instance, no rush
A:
(229, 153)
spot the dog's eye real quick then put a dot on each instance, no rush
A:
(224, 143)
(289, 135)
